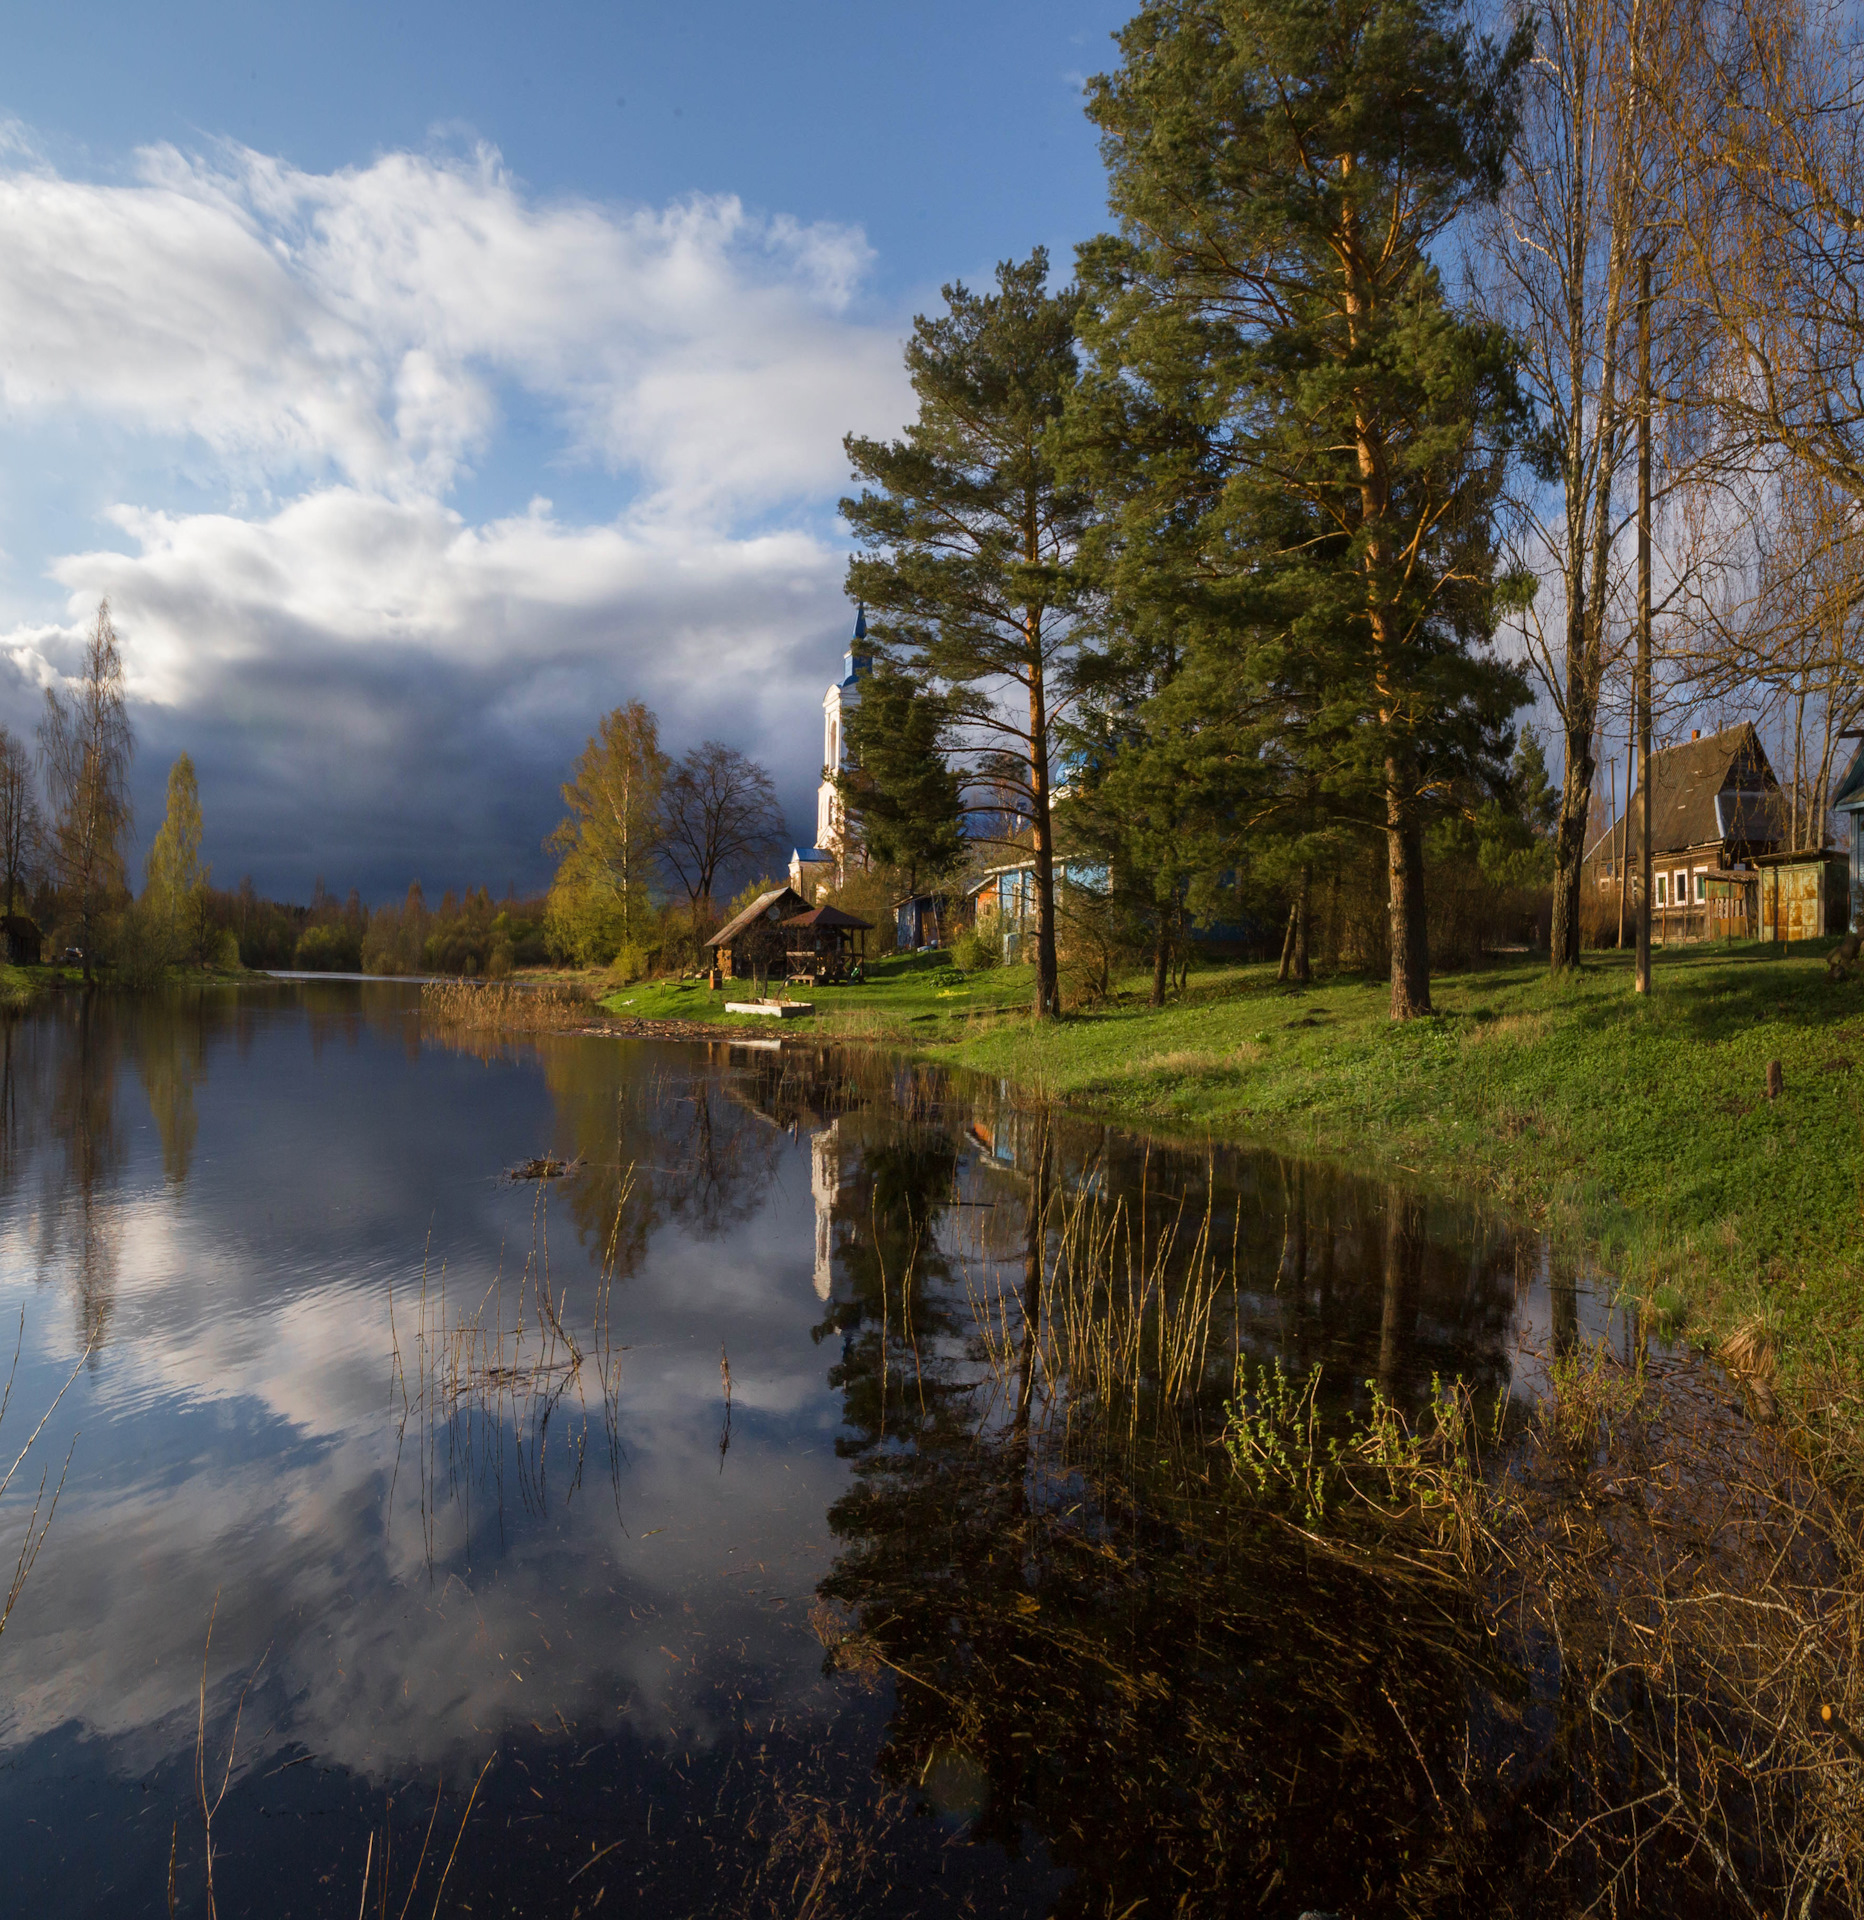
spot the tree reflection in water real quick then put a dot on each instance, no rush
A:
(79, 1227)
(1101, 1654)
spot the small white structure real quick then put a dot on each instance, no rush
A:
(826, 863)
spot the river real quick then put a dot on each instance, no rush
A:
(694, 1528)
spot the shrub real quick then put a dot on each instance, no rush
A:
(973, 952)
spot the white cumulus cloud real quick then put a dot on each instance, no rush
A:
(372, 681)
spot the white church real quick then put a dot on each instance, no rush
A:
(825, 865)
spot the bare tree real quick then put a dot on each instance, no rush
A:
(86, 743)
(1787, 644)
(719, 815)
(1766, 219)
(22, 827)
(1562, 251)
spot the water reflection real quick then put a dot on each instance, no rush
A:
(447, 1448)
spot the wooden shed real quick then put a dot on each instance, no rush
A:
(753, 943)
(1802, 895)
(23, 943)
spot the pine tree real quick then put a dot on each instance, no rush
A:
(901, 790)
(969, 535)
(1280, 172)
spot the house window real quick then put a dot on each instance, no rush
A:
(1702, 885)
(1661, 883)
(1681, 896)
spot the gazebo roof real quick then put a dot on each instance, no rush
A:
(829, 917)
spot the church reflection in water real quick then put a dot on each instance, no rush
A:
(1099, 1661)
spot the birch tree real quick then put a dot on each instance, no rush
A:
(612, 834)
(175, 884)
(1561, 254)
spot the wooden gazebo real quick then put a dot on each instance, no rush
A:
(818, 945)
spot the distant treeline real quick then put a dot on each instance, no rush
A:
(467, 933)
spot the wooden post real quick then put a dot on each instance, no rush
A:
(1643, 610)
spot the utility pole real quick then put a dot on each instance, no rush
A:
(1643, 616)
(1618, 870)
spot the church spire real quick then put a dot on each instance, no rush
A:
(860, 620)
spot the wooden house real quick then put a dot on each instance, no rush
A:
(1848, 800)
(1003, 899)
(1716, 809)
(780, 935)
(916, 922)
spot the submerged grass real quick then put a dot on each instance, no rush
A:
(18, 988)
(1602, 1650)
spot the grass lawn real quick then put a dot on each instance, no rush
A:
(1641, 1124)
(910, 1000)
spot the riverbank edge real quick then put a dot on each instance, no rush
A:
(1637, 1131)
(1756, 1222)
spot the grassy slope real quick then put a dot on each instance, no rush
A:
(1642, 1124)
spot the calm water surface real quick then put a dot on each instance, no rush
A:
(707, 1506)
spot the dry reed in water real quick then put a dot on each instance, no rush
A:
(504, 1006)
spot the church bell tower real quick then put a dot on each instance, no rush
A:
(826, 863)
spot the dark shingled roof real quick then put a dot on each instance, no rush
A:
(829, 917)
(1716, 789)
(776, 899)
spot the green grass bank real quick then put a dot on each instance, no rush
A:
(1642, 1125)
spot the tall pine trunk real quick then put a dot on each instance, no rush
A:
(1404, 855)
(1048, 985)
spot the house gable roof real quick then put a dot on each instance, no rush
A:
(1718, 788)
(773, 905)
(1849, 796)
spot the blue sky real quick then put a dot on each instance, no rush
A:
(419, 382)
